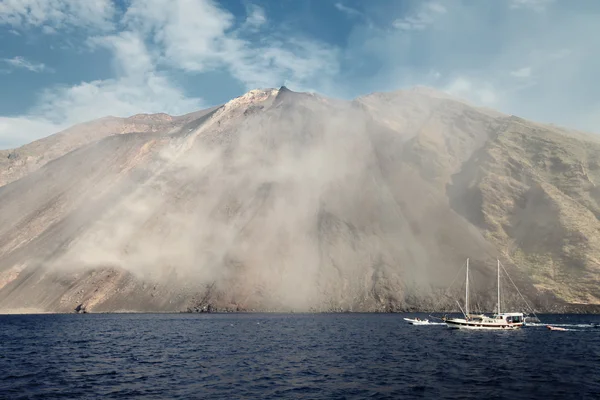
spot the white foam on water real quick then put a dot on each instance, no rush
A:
(563, 325)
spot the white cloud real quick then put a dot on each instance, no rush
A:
(60, 108)
(436, 8)
(190, 34)
(347, 10)
(55, 14)
(21, 62)
(522, 72)
(15, 131)
(535, 5)
(198, 36)
(48, 30)
(121, 97)
(138, 88)
(256, 17)
(478, 92)
(130, 54)
(420, 20)
(299, 63)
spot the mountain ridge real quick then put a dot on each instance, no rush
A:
(279, 200)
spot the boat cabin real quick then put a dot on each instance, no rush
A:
(511, 318)
(503, 318)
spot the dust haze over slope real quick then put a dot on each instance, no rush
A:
(275, 201)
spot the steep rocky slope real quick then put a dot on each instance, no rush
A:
(532, 191)
(16, 163)
(291, 201)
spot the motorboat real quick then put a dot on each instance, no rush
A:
(417, 321)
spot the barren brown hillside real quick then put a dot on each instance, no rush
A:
(291, 201)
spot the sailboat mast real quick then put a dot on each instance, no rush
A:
(467, 292)
(498, 287)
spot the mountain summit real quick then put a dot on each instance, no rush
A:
(279, 200)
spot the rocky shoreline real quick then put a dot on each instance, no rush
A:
(581, 309)
(558, 309)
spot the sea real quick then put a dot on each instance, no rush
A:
(292, 356)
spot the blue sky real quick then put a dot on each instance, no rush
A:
(64, 62)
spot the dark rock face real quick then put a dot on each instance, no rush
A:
(80, 309)
(284, 201)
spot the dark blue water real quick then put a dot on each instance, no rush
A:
(261, 356)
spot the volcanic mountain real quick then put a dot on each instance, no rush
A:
(286, 201)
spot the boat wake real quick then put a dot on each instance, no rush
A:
(567, 327)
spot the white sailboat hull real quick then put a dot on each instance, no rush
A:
(478, 325)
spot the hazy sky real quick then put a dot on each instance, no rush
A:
(68, 61)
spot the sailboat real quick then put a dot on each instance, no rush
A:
(500, 320)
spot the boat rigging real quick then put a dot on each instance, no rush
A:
(498, 321)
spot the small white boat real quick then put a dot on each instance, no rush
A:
(502, 321)
(417, 321)
(556, 328)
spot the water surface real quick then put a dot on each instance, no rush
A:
(309, 356)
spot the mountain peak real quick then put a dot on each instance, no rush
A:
(252, 97)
